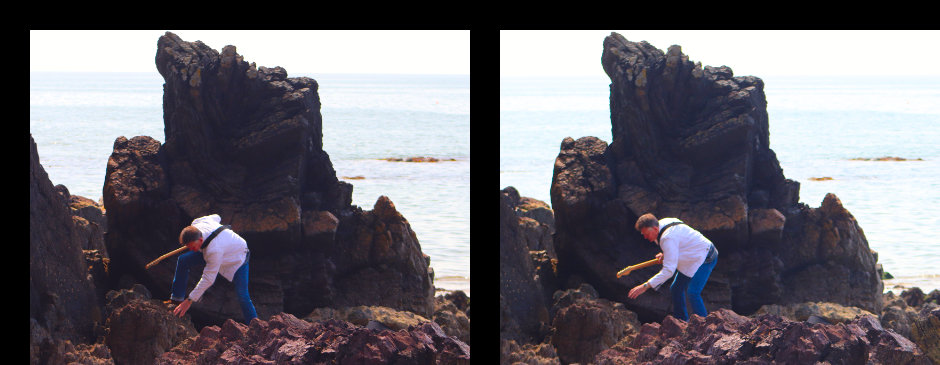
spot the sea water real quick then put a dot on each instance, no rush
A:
(820, 128)
(75, 118)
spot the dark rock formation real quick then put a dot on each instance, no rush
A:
(62, 302)
(693, 143)
(537, 219)
(451, 318)
(245, 142)
(724, 337)
(284, 339)
(527, 280)
(523, 301)
(90, 224)
(378, 261)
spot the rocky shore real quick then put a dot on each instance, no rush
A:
(545, 321)
(793, 283)
(331, 282)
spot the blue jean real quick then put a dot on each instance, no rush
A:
(240, 280)
(693, 286)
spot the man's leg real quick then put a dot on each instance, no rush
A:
(678, 288)
(183, 263)
(241, 289)
(697, 284)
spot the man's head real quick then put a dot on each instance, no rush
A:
(191, 237)
(648, 226)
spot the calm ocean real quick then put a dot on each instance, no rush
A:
(818, 125)
(75, 117)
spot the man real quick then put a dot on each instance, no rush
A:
(223, 252)
(687, 253)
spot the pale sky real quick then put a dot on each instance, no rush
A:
(298, 51)
(748, 52)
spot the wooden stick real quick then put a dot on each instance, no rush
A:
(171, 253)
(628, 269)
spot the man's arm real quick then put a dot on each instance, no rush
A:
(213, 263)
(670, 262)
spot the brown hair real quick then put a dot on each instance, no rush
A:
(646, 220)
(189, 234)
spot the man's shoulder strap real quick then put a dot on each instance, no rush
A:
(214, 233)
(663, 230)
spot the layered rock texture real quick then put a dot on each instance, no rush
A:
(524, 293)
(724, 337)
(693, 143)
(285, 339)
(245, 142)
(584, 325)
(63, 306)
(140, 328)
(917, 317)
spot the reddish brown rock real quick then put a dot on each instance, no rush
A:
(379, 261)
(725, 337)
(285, 339)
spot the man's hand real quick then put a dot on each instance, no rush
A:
(181, 309)
(637, 290)
(659, 257)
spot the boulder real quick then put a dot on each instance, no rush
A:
(692, 142)
(914, 297)
(378, 261)
(245, 142)
(451, 313)
(585, 325)
(285, 339)
(914, 316)
(140, 329)
(536, 227)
